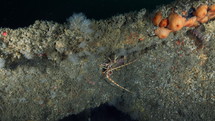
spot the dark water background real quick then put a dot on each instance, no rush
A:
(21, 13)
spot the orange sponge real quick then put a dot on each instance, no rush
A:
(201, 11)
(204, 20)
(176, 22)
(211, 12)
(212, 8)
(163, 23)
(162, 32)
(157, 18)
(211, 15)
(190, 22)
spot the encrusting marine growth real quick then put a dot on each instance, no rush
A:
(51, 70)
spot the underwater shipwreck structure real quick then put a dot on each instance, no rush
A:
(50, 70)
